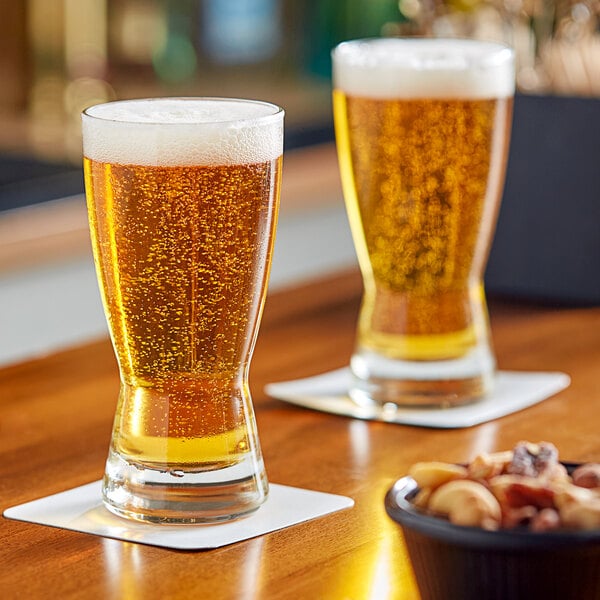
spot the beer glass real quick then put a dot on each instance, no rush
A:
(182, 199)
(422, 129)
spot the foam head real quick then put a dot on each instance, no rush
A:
(183, 132)
(423, 68)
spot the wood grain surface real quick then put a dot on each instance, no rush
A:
(55, 424)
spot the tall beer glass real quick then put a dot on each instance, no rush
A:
(182, 200)
(422, 129)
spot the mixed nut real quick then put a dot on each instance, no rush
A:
(524, 487)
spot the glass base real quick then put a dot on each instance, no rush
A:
(138, 492)
(380, 381)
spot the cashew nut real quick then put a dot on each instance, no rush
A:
(468, 503)
(568, 493)
(434, 474)
(484, 466)
(581, 516)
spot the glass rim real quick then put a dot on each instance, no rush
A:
(277, 111)
(420, 40)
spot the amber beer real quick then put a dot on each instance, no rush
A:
(182, 200)
(422, 130)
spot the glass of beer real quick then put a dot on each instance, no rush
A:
(422, 131)
(182, 199)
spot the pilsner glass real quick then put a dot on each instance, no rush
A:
(422, 130)
(182, 199)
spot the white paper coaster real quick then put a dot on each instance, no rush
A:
(513, 391)
(81, 509)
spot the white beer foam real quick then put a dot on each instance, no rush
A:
(423, 68)
(183, 132)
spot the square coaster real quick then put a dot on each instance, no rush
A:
(81, 509)
(513, 391)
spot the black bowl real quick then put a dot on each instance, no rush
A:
(452, 562)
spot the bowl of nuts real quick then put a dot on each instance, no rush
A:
(507, 526)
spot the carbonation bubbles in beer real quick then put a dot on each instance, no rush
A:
(182, 201)
(422, 129)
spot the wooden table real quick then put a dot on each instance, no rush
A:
(55, 423)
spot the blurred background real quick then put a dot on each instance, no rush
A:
(59, 56)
